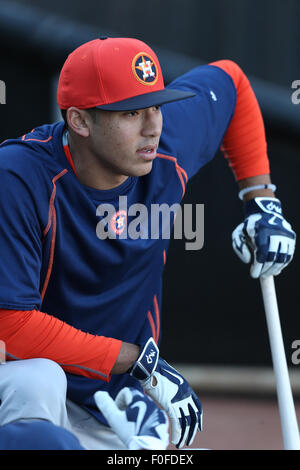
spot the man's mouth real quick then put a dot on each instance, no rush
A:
(148, 152)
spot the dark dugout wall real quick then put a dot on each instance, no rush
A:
(212, 309)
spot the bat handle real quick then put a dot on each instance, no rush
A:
(289, 425)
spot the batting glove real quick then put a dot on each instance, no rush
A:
(265, 238)
(135, 418)
(172, 392)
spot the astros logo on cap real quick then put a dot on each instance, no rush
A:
(145, 69)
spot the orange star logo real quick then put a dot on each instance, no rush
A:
(144, 69)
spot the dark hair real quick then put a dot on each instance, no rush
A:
(92, 112)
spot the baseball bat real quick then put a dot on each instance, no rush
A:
(287, 412)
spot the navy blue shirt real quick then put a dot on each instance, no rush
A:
(106, 287)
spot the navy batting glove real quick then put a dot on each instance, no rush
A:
(265, 238)
(172, 392)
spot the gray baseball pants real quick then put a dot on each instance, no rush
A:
(35, 389)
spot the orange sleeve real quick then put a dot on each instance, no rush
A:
(244, 143)
(30, 334)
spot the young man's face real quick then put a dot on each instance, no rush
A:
(125, 143)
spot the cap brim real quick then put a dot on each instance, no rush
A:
(148, 100)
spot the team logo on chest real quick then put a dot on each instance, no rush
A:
(118, 222)
(145, 69)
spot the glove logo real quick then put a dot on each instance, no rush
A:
(175, 375)
(150, 356)
(144, 69)
(272, 221)
(273, 207)
(141, 414)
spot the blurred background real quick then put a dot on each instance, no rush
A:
(213, 321)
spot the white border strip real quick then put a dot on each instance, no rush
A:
(230, 379)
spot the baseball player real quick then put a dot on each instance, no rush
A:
(80, 296)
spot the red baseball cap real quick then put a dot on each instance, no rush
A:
(114, 74)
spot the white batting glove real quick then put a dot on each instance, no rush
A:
(265, 238)
(172, 392)
(135, 418)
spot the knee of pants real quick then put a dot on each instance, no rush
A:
(32, 389)
(36, 378)
(40, 376)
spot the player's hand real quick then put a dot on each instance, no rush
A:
(135, 418)
(171, 391)
(168, 388)
(265, 238)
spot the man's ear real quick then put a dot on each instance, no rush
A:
(78, 121)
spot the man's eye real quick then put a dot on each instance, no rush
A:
(131, 113)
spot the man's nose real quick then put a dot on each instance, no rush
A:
(152, 124)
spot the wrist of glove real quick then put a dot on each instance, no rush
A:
(265, 239)
(146, 363)
(171, 391)
(135, 418)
